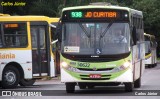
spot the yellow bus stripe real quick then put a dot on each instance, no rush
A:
(147, 56)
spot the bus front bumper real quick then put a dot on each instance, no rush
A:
(126, 76)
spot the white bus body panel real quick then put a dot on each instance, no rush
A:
(152, 59)
(148, 61)
(138, 59)
(125, 77)
(22, 57)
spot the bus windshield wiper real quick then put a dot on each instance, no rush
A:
(82, 27)
(105, 31)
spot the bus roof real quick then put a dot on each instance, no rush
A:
(103, 6)
(149, 35)
(53, 20)
(27, 18)
(1, 14)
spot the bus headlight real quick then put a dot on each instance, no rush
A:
(126, 64)
(68, 67)
(123, 67)
(64, 65)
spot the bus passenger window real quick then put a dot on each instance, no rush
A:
(42, 37)
(34, 37)
(35, 30)
(15, 34)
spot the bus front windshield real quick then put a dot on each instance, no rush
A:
(88, 38)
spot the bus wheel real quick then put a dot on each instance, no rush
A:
(82, 85)
(27, 82)
(137, 83)
(128, 86)
(152, 65)
(70, 87)
(10, 77)
(155, 64)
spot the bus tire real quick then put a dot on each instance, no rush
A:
(82, 85)
(27, 82)
(10, 77)
(70, 87)
(137, 83)
(128, 86)
(155, 64)
(152, 66)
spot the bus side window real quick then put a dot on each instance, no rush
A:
(8, 41)
(15, 34)
(42, 36)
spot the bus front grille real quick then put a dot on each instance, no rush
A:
(101, 69)
(95, 78)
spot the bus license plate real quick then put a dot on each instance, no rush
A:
(94, 76)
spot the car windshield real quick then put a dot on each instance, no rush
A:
(95, 38)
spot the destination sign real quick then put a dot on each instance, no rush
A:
(10, 25)
(94, 14)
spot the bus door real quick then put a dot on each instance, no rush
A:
(55, 49)
(40, 49)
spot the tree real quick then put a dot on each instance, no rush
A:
(45, 7)
(151, 12)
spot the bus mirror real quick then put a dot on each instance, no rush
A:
(134, 35)
(51, 25)
(59, 33)
(54, 41)
(53, 32)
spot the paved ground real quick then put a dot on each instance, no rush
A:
(56, 89)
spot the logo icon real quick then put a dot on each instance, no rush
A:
(6, 93)
(98, 51)
(94, 68)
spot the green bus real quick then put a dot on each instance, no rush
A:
(101, 45)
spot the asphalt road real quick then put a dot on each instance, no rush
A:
(56, 89)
